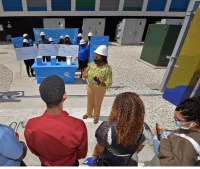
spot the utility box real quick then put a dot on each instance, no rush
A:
(130, 31)
(172, 21)
(54, 22)
(94, 25)
(159, 43)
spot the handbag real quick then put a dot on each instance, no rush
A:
(107, 158)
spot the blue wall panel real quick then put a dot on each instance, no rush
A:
(156, 5)
(12, 5)
(179, 5)
(61, 5)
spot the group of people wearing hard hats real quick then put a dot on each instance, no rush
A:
(83, 55)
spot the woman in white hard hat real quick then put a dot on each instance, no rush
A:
(89, 37)
(79, 37)
(99, 76)
(28, 62)
(61, 42)
(67, 40)
(51, 40)
(44, 40)
(83, 55)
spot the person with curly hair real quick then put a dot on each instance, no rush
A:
(175, 149)
(124, 135)
(55, 137)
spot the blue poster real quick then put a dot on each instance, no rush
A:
(96, 41)
(17, 42)
(55, 33)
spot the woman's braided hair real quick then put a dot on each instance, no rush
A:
(190, 109)
(128, 113)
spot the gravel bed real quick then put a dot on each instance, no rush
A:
(129, 74)
(6, 77)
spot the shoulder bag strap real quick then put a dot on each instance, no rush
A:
(194, 143)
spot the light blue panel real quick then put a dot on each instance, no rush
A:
(96, 41)
(17, 42)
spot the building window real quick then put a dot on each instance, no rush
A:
(12, 5)
(37, 5)
(133, 5)
(61, 5)
(85, 5)
(156, 5)
(109, 5)
(179, 5)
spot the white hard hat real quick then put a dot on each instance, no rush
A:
(82, 42)
(90, 34)
(102, 50)
(61, 37)
(50, 39)
(80, 35)
(42, 33)
(25, 41)
(66, 36)
(24, 35)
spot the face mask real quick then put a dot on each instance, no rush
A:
(97, 61)
(178, 124)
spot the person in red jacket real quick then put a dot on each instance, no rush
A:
(55, 137)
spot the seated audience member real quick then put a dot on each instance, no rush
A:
(124, 135)
(175, 149)
(55, 137)
(12, 151)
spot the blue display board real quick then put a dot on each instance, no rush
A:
(17, 42)
(96, 41)
(62, 70)
(56, 33)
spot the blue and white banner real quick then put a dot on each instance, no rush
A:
(95, 42)
(55, 33)
(17, 42)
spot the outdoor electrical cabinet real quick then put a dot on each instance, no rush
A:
(94, 25)
(54, 22)
(130, 31)
(159, 43)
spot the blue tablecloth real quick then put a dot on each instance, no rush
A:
(60, 69)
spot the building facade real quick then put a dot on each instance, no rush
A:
(21, 16)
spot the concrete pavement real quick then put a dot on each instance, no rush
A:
(22, 102)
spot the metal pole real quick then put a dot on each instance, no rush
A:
(179, 43)
(195, 89)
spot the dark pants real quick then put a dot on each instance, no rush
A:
(48, 58)
(82, 65)
(22, 164)
(28, 64)
(61, 59)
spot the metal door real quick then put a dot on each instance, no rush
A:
(129, 31)
(88, 26)
(138, 31)
(54, 23)
(99, 27)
